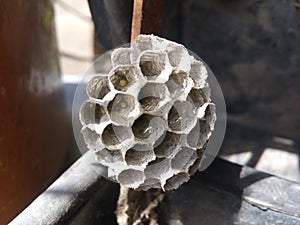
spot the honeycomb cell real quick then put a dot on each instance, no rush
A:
(198, 97)
(108, 157)
(168, 146)
(154, 98)
(123, 109)
(184, 159)
(131, 177)
(142, 43)
(121, 56)
(139, 157)
(150, 183)
(199, 135)
(179, 84)
(124, 78)
(160, 168)
(176, 181)
(98, 87)
(210, 115)
(179, 57)
(193, 168)
(147, 129)
(154, 66)
(181, 117)
(199, 74)
(92, 139)
(92, 113)
(117, 137)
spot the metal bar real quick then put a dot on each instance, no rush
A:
(66, 195)
(223, 184)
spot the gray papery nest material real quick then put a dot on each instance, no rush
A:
(150, 118)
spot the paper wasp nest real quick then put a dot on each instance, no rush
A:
(150, 118)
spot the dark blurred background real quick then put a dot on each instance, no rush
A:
(253, 48)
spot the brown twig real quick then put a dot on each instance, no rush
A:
(147, 17)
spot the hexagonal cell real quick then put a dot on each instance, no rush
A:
(168, 146)
(107, 157)
(124, 77)
(92, 113)
(176, 181)
(198, 97)
(153, 98)
(98, 87)
(193, 168)
(184, 159)
(147, 128)
(179, 56)
(210, 115)
(150, 183)
(121, 56)
(179, 84)
(198, 73)
(92, 139)
(199, 135)
(153, 64)
(131, 178)
(141, 43)
(160, 168)
(181, 117)
(123, 109)
(117, 137)
(138, 157)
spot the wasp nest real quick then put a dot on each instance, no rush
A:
(150, 118)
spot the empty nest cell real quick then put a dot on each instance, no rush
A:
(117, 137)
(121, 56)
(92, 139)
(152, 64)
(152, 97)
(92, 113)
(198, 73)
(181, 117)
(176, 181)
(184, 159)
(178, 81)
(131, 177)
(139, 157)
(160, 168)
(107, 157)
(199, 135)
(150, 183)
(198, 97)
(147, 128)
(98, 87)
(167, 147)
(179, 56)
